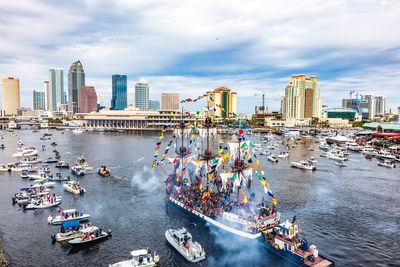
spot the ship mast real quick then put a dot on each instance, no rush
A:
(208, 155)
(238, 167)
(182, 151)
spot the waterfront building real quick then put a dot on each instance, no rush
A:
(142, 94)
(169, 101)
(154, 104)
(302, 98)
(56, 89)
(119, 92)
(347, 103)
(342, 113)
(222, 102)
(380, 105)
(38, 100)
(46, 95)
(87, 99)
(10, 95)
(76, 79)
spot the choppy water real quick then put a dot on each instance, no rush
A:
(352, 214)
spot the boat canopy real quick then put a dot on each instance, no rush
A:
(139, 252)
(70, 224)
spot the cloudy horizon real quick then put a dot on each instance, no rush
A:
(191, 47)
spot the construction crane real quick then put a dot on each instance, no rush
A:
(262, 108)
(351, 93)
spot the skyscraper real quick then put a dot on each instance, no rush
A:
(142, 94)
(119, 92)
(154, 104)
(169, 101)
(56, 92)
(222, 102)
(380, 105)
(76, 79)
(302, 98)
(11, 100)
(87, 99)
(47, 95)
(38, 100)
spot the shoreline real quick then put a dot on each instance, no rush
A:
(3, 257)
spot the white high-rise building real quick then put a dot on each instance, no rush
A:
(380, 105)
(56, 90)
(142, 94)
(47, 95)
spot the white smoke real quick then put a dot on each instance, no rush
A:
(146, 180)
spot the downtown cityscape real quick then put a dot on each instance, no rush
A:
(199, 134)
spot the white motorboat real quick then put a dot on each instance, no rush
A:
(25, 152)
(45, 184)
(24, 174)
(71, 230)
(77, 131)
(303, 165)
(20, 143)
(39, 176)
(19, 167)
(387, 163)
(31, 160)
(62, 164)
(312, 160)
(181, 240)
(336, 155)
(353, 146)
(58, 178)
(5, 168)
(283, 155)
(89, 236)
(272, 158)
(44, 168)
(68, 215)
(50, 160)
(265, 153)
(140, 257)
(368, 150)
(323, 154)
(74, 187)
(43, 203)
(78, 170)
(82, 161)
(311, 148)
(340, 163)
(383, 154)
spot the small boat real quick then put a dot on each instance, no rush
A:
(5, 168)
(24, 174)
(74, 187)
(340, 163)
(140, 257)
(265, 153)
(89, 236)
(62, 164)
(20, 143)
(58, 178)
(67, 215)
(2, 146)
(283, 155)
(104, 172)
(181, 240)
(47, 134)
(50, 160)
(71, 230)
(368, 156)
(323, 154)
(44, 168)
(53, 144)
(39, 176)
(311, 148)
(303, 165)
(387, 163)
(44, 138)
(43, 148)
(272, 158)
(33, 160)
(78, 170)
(45, 184)
(43, 203)
(312, 160)
(77, 131)
(81, 161)
(25, 152)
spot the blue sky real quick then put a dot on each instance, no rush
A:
(194, 46)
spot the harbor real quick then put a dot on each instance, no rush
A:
(350, 213)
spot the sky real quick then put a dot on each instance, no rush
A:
(191, 47)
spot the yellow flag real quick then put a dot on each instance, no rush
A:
(258, 162)
(262, 182)
(201, 187)
(245, 200)
(226, 155)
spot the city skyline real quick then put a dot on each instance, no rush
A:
(202, 53)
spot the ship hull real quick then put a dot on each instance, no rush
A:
(212, 221)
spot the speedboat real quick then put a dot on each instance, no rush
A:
(312, 160)
(140, 257)
(67, 215)
(104, 172)
(62, 164)
(45, 184)
(50, 160)
(43, 203)
(89, 236)
(74, 187)
(283, 155)
(40, 176)
(272, 158)
(78, 170)
(81, 161)
(387, 163)
(25, 152)
(71, 230)
(303, 165)
(340, 163)
(181, 240)
(385, 155)
(58, 178)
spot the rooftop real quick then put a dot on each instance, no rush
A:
(384, 125)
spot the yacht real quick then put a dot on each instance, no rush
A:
(67, 215)
(336, 155)
(77, 131)
(303, 165)
(140, 257)
(50, 160)
(181, 240)
(368, 150)
(353, 146)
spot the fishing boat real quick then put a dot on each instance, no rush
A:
(283, 155)
(89, 236)
(74, 187)
(50, 160)
(43, 203)
(58, 178)
(82, 161)
(78, 170)
(39, 176)
(71, 230)
(140, 257)
(181, 240)
(387, 163)
(25, 152)
(305, 165)
(272, 158)
(67, 215)
(62, 164)
(340, 163)
(104, 172)
(286, 241)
